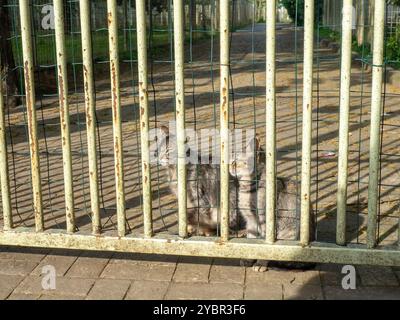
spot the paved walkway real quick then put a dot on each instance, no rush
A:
(99, 275)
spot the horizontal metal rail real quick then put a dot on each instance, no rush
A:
(269, 248)
(206, 247)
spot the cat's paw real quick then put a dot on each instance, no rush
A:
(247, 262)
(191, 229)
(260, 266)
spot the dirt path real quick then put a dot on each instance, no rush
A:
(202, 100)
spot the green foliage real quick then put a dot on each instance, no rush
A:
(393, 48)
(290, 6)
(297, 6)
(326, 33)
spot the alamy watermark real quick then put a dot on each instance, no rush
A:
(203, 146)
(349, 280)
(48, 277)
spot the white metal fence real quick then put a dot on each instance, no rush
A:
(222, 246)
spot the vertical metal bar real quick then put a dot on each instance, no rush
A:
(224, 117)
(376, 103)
(64, 112)
(144, 116)
(344, 121)
(90, 107)
(4, 180)
(307, 121)
(116, 111)
(26, 37)
(270, 122)
(179, 38)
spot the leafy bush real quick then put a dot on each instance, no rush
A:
(290, 6)
(393, 48)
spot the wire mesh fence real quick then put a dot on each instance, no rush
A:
(247, 96)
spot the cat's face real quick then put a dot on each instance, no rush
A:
(166, 147)
(243, 165)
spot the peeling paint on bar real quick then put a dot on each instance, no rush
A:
(144, 117)
(64, 113)
(4, 179)
(224, 118)
(179, 38)
(206, 247)
(270, 123)
(27, 51)
(376, 105)
(345, 75)
(90, 106)
(307, 121)
(116, 111)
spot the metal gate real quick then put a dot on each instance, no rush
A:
(222, 246)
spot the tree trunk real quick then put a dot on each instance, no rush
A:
(360, 10)
(371, 10)
(192, 14)
(8, 70)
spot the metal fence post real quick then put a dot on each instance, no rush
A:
(90, 106)
(376, 104)
(179, 38)
(271, 123)
(64, 112)
(27, 52)
(4, 179)
(344, 121)
(307, 121)
(144, 116)
(224, 117)
(116, 111)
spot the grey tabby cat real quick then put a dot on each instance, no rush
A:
(287, 219)
(202, 186)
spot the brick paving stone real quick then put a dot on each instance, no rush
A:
(60, 297)
(64, 286)
(22, 296)
(89, 265)
(362, 293)
(60, 262)
(192, 269)
(263, 291)
(377, 276)
(309, 277)
(223, 273)
(212, 291)
(109, 289)
(133, 271)
(19, 253)
(7, 285)
(331, 274)
(302, 292)
(17, 267)
(145, 259)
(147, 290)
(226, 262)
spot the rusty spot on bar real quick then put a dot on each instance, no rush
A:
(114, 90)
(109, 19)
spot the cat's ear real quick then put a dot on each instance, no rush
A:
(257, 141)
(164, 130)
(254, 144)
